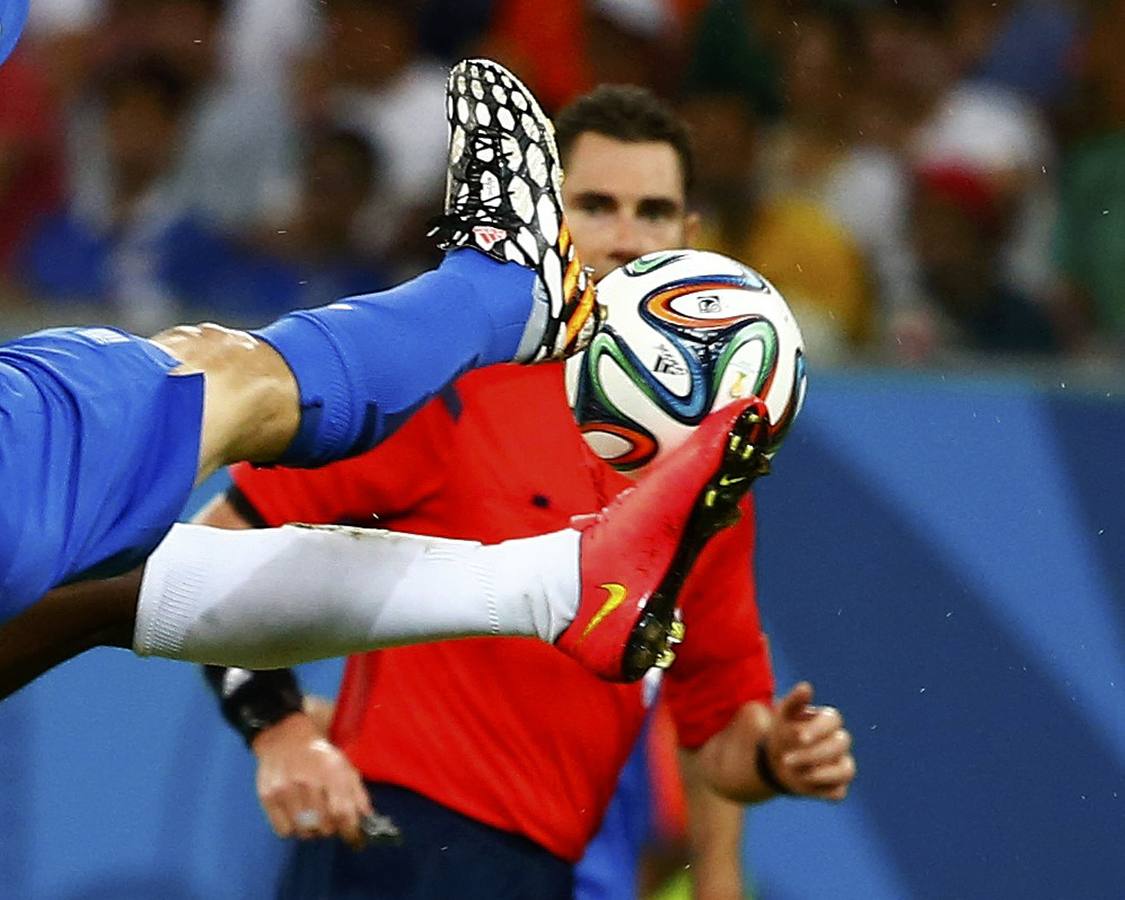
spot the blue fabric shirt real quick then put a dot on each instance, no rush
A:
(99, 447)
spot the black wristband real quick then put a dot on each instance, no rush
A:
(766, 772)
(252, 701)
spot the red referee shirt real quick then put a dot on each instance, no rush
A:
(508, 730)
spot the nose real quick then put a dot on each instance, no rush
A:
(627, 242)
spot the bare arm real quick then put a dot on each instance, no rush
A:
(714, 836)
(792, 748)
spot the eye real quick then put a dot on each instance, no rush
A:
(594, 203)
(658, 210)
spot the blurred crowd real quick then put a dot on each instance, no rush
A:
(920, 178)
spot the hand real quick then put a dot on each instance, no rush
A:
(321, 711)
(808, 747)
(306, 786)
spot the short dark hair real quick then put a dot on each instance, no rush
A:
(630, 114)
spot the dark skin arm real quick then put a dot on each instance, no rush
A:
(66, 622)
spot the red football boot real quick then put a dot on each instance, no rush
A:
(636, 553)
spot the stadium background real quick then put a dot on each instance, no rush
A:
(943, 543)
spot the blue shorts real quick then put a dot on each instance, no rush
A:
(99, 447)
(443, 854)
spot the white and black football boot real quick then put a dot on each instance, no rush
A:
(504, 198)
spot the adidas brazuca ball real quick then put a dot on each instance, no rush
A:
(687, 332)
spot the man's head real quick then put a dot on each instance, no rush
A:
(339, 170)
(958, 223)
(144, 101)
(629, 169)
(185, 33)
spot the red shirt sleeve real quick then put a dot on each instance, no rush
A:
(389, 480)
(724, 660)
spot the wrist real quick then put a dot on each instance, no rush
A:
(717, 878)
(253, 701)
(766, 772)
(293, 726)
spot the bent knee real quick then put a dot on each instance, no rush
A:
(208, 347)
(251, 405)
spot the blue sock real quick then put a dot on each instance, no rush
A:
(365, 363)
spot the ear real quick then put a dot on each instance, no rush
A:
(693, 224)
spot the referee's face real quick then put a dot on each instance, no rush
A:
(624, 200)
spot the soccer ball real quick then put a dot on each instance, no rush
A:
(687, 332)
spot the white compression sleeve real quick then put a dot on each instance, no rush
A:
(279, 596)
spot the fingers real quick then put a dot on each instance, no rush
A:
(279, 818)
(307, 809)
(794, 703)
(278, 803)
(345, 819)
(821, 722)
(349, 803)
(811, 725)
(825, 769)
(827, 749)
(809, 748)
(830, 782)
(362, 799)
